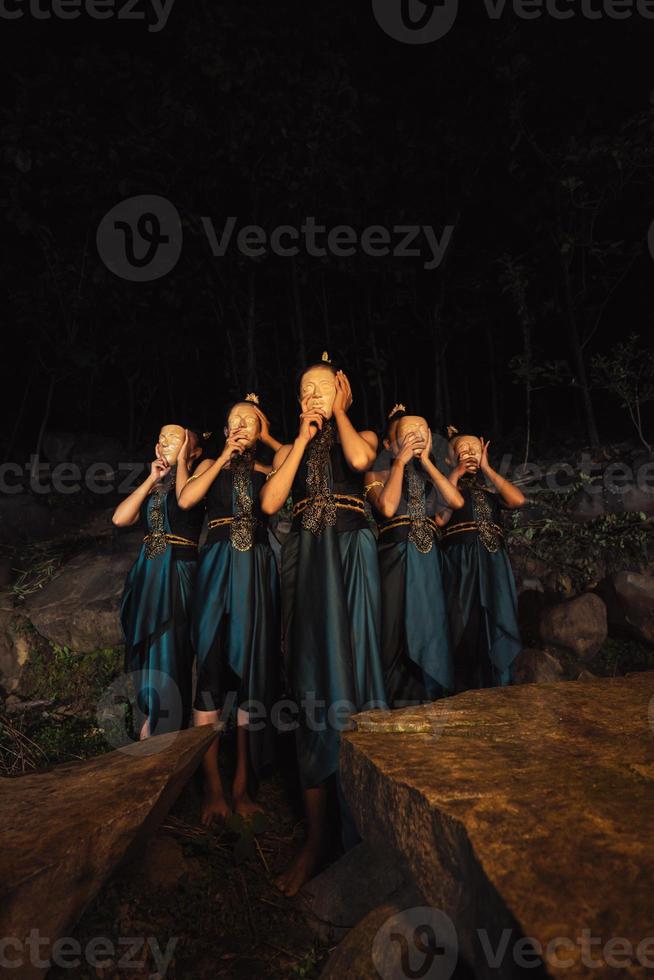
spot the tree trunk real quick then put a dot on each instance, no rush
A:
(580, 365)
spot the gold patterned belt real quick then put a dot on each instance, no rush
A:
(468, 526)
(175, 539)
(221, 521)
(404, 521)
(343, 501)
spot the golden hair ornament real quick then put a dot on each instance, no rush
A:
(252, 397)
(326, 358)
(396, 408)
(451, 432)
(205, 435)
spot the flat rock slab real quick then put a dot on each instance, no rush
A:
(521, 812)
(65, 830)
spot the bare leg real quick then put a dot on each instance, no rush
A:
(243, 803)
(306, 860)
(215, 804)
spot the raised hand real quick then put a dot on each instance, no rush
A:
(408, 447)
(426, 450)
(484, 464)
(311, 424)
(184, 448)
(343, 399)
(233, 444)
(158, 469)
(265, 424)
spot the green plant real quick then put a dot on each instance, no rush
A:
(628, 373)
(582, 551)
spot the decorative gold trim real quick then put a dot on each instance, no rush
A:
(192, 478)
(176, 539)
(375, 483)
(339, 498)
(469, 526)
(222, 521)
(272, 473)
(403, 521)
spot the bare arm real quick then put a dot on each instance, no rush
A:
(275, 491)
(127, 512)
(359, 448)
(510, 494)
(196, 487)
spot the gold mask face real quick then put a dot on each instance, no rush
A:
(467, 449)
(318, 391)
(244, 423)
(412, 423)
(171, 438)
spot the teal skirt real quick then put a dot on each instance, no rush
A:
(483, 614)
(331, 619)
(416, 650)
(155, 617)
(236, 636)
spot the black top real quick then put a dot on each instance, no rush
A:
(433, 500)
(184, 523)
(344, 481)
(220, 503)
(469, 513)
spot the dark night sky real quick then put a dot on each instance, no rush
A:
(533, 138)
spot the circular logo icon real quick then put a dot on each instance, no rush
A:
(140, 239)
(415, 21)
(133, 699)
(416, 943)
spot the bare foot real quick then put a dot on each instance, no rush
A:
(246, 806)
(300, 870)
(215, 806)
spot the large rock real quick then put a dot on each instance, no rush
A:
(578, 625)
(14, 650)
(629, 599)
(520, 812)
(537, 667)
(362, 956)
(79, 607)
(338, 898)
(64, 831)
(23, 518)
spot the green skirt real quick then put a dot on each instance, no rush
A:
(483, 614)
(415, 635)
(331, 627)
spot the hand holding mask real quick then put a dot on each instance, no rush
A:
(343, 399)
(159, 468)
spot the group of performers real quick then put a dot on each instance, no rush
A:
(420, 609)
